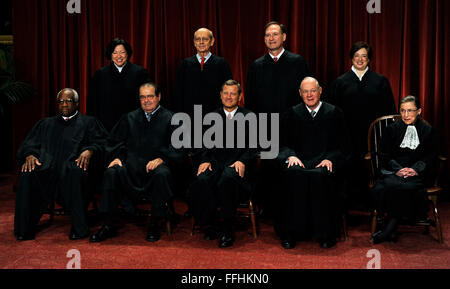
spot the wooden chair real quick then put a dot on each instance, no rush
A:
(373, 164)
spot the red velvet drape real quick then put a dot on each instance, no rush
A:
(55, 49)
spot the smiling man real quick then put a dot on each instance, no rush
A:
(222, 175)
(139, 154)
(313, 146)
(58, 157)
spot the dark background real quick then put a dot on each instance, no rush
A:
(55, 49)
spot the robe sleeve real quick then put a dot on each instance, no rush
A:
(32, 143)
(116, 147)
(97, 137)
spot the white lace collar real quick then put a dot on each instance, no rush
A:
(411, 138)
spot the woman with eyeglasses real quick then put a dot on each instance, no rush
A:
(408, 150)
(363, 95)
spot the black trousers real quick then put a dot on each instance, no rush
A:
(400, 197)
(215, 189)
(38, 188)
(307, 205)
(117, 186)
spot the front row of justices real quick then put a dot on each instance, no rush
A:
(63, 156)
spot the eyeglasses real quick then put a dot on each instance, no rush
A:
(61, 101)
(313, 91)
(408, 111)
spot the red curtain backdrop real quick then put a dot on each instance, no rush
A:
(55, 49)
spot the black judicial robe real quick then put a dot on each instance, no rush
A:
(308, 203)
(222, 187)
(314, 139)
(112, 94)
(273, 86)
(136, 141)
(57, 144)
(362, 102)
(406, 197)
(196, 86)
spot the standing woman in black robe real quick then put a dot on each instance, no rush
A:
(363, 95)
(114, 89)
(408, 151)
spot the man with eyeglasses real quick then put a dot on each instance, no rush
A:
(57, 159)
(198, 81)
(312, 149)
(139, 155)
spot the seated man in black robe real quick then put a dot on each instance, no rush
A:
(222, 174)
(139, 152)
(312, 146)
(57, 158)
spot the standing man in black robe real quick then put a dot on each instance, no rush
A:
(272, 87)
(114, 88)
(222, 175)
(199, 78)
(57, 158)
(312, 146)
(198, 82)
(139, 154)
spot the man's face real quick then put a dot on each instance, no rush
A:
(230, 97)
(310, 94)
(119, 55)
(360, 59)
(66, 104)
(274, 38)
(149, 100)
(203, 41)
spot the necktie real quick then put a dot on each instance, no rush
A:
(148, 116)
(313, 113)
(203, 62)
(275, 59)
(229, 115)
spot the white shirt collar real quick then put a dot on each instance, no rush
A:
(199, 58)
(120, 67)
(277, 56)
(232, 112)
(356, 72)
(70, 117)
(316, 109)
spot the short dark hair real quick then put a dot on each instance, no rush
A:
(358, 45)
(411, 98)
(152, 84)
(112, 45)
(282, 27)
(231, 82)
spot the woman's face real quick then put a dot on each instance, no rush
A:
(360, 59)
(119, 55)
(409, 112)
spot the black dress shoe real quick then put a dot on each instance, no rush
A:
(104, 233)
(226, 240)
(379, 237)
(327, 243)
(25, 237)
(154, 232)
(288, 243)
(211, 233)
(73, 235)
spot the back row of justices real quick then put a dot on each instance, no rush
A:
(138, 165)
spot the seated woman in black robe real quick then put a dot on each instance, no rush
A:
(408, 150)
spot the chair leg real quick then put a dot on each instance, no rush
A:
(344, 226)
(192, 225)
(252, 217)
(374, 221)
(168, 227)
(437, 219)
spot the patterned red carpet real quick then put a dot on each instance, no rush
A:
(181, 251)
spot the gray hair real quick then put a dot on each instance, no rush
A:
(309, 78)
(411, 98)
(76, 98)
(211, 35)
(231, 82)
